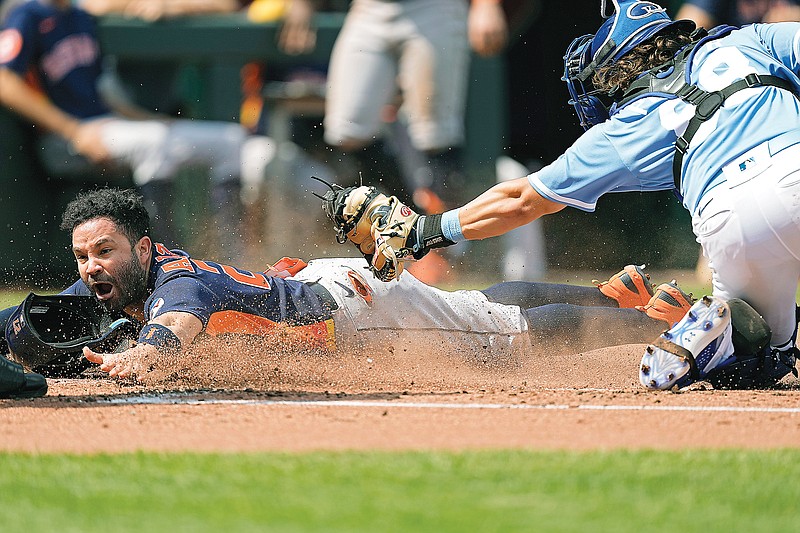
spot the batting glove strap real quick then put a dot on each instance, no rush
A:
(161, 337)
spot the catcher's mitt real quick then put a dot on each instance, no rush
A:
(381, 227)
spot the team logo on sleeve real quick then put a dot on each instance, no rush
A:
(10, 45)
(156, 307)
(18, 324)
(361, 286)
(47, 25)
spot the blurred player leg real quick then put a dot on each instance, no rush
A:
(527, 294)
(361, 83)
(433, 75)
(433, 79)
(158, 198)
(525, 256)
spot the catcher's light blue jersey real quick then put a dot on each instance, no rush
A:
(634, 149)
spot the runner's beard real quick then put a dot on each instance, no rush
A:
(131, 282)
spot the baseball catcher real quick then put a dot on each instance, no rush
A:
(711, 113)
(725, 343)
(384, 229)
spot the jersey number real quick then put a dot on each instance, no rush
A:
(252, 279)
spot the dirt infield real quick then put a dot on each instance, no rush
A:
(305, 402)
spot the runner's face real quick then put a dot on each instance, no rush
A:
(113, 269)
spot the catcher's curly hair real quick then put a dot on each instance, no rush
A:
(650, 54)
(123, 206)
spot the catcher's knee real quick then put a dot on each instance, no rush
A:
(739, 358)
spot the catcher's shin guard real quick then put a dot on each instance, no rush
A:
(630, 287)
(701, 342)
(16, 383)
(669, 303)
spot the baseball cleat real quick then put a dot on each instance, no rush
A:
(16, 383)
(700, 342)
(630, 287)
(669, 303)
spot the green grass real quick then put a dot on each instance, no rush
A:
(380, 492)
(505, 491)
(11, 297)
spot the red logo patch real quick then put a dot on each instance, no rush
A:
(361, 286)
(47, 25)
(405, 211)
(156, 307)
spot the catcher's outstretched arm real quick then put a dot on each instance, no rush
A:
(505, 206)
(388, 232)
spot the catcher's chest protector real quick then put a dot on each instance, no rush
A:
(672, 79)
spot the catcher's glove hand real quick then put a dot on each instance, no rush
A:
(378, 225)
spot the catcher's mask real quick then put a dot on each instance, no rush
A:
(631, 23)
(52, 330)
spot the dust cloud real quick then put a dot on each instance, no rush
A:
(239, 362)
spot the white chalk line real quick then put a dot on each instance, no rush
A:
(179, 400)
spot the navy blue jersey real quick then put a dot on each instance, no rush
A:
(230, 300)
(57, 49)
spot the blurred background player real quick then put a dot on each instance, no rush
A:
(51, 73)
(406, 62)
(152, 10)
(417, 51)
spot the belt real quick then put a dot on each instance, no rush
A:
(324, 296)
(783, 141)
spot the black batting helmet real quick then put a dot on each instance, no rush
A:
(48, 333)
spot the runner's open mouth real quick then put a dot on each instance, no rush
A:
(103, 289)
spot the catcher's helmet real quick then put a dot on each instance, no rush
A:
(48, 333)
(631, 23)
